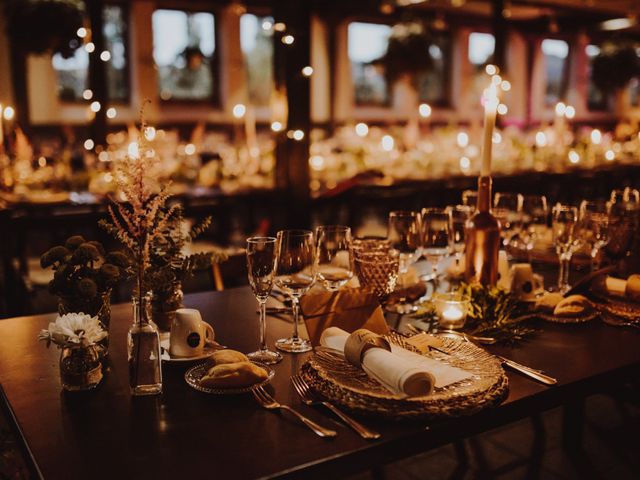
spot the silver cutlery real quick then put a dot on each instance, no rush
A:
(531, 372)
(270, 403)
(277, 310)
(528, 371)
(309, 398)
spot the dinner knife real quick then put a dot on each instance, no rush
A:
(535, 374)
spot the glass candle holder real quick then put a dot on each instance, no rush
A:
(451, 309)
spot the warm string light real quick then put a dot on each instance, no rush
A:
(362, 129)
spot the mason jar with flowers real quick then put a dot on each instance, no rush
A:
(84, 277)
(77, 335)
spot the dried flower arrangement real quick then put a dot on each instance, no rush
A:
(170, 266)
(144, 219)
(84, 275)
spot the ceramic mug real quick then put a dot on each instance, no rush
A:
(189, 334)
(524, 283)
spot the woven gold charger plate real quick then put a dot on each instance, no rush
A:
(342, 383)
(618, 307)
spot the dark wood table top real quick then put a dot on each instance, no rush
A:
(109, 434)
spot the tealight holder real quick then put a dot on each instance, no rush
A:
(451, 309)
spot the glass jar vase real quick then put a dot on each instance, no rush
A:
(80, 367)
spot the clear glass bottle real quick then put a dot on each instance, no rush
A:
(143, 342)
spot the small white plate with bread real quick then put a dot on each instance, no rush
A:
(228, 372)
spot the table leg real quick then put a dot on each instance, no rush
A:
(573, 425)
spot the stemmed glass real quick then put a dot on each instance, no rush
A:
(436, 234)
(295, 274)
(458, 216)
(333, 252)
(594, 227)
(564, 225)
(534, 220)
(404, 233)
(507, 208)
(470, 198)
(261, 267)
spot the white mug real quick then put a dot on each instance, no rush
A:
(524, 283)
(189, 333)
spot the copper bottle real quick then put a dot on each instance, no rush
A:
(482, 240)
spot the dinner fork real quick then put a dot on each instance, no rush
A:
(309, 398)
(270, 403)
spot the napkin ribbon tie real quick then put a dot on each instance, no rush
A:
(359, 342)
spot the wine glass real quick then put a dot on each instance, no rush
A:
(507, 208)
(534, 220)
(436, 234)
(458, 216)
(594, 227)
(295, 274)
(333, 252)
(470, 198)
(564, 225)
(261, 268)
(404, 232)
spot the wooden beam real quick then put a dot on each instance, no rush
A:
(292, 155)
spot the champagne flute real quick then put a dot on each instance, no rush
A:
(436, 234)
(404, 232)
(594, 227)
(564, 225)
(458, 216)
(261, 267)
(534, 220)
(333, 252)
(295, 274)
(507, 208)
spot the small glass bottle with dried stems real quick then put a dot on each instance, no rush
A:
(143, 342)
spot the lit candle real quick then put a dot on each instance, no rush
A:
(490, 100)
(1, 130)
(452, 314)
(250, 132)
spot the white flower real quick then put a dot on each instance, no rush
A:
(73, 328)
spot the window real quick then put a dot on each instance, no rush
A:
(73, 73)
(432, 85)
(555, 57)
(368, 42)
(256, 41)
(183, 51)
(481, 48)
(596, 99)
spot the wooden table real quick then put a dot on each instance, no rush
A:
(187, 434)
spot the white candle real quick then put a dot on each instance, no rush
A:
(491, 102)
(452, 314)
(1, 129)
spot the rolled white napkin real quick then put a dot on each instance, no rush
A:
(402, 372)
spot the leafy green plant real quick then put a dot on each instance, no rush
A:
(168, 264)
(496, 313)
(84, 273)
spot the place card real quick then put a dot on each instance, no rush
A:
(349, 309)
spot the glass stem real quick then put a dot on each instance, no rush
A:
(563, 274)
(296, 312)
(263, 323)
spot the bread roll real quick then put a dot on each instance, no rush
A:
(233, 375)
(549, 301)
(221, 357)
(573, 306)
